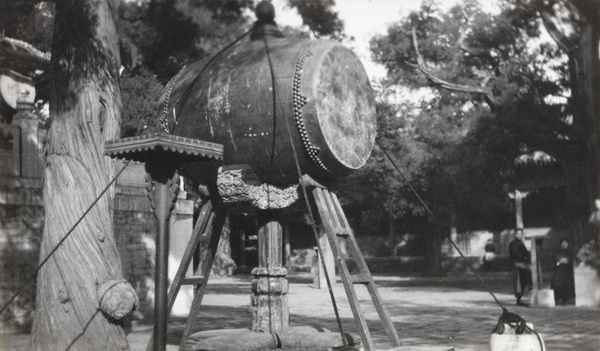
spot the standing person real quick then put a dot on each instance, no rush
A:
(563, 282)
(521, 258)
(489, 255)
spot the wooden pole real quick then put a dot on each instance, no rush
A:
(327, 255)
(534, 273)
(163, 186)
(519, 208)
(270, 310)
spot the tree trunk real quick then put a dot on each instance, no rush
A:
(434, 251)
(81, 296)
(391, 232)
(588, 82)
(584, 72)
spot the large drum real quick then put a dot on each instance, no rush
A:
(319, 106)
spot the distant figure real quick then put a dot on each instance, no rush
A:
(588, 254)
(489, 255)
(521, 258)
(563, 282)
(403, 247)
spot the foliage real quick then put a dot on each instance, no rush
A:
(468, 141)
(28, 20)
(319, 16)
(162, 37)
(141, 92)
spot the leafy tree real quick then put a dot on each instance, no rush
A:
(574, 26)
(28, 20)
(491, 99)
(320, 17)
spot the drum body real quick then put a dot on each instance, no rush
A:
(316, 102)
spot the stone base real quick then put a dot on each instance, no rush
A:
(545, 298)
(587, 286)
(296, 338)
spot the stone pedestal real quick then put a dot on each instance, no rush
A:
(587, 286)
(270, 311)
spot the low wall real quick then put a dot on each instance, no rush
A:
(418, 264)
(21, 226)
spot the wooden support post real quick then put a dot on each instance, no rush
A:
(163, 186)
(163, 154)
(535, 235)
(534, 274)
(327, 254)
(519, 208)
(270, 310)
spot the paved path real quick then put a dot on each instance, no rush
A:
(453, 311)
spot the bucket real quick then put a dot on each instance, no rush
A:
(509, 340)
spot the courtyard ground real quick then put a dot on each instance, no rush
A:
(451, 311)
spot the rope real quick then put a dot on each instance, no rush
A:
(512, 319)
(305, 194)
(34, 274)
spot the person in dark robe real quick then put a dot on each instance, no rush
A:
(489, 255)
(563, 282)
(521, 258)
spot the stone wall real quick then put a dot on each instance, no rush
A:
(21, 225)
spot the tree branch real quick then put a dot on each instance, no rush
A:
(484, 54)
(23, 50)
(444, 84)
(563, 41)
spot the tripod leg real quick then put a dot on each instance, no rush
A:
(215, 225)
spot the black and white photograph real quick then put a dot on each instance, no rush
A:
(250, 175)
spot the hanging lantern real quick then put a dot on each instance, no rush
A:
(271, 97)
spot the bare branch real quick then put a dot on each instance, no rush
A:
(23, 50)
(444, 84)
(563, 41)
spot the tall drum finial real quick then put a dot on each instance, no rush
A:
(265, 12)
(265, 25)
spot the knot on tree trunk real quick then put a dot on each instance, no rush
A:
(117, 298)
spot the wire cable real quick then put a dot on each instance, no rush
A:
(505, 314)
(34, 274)
(437, 223)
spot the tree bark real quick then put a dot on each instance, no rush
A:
(584, 74)
(83, 279)
(585, 77)
(391, 232)
(434, 250)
